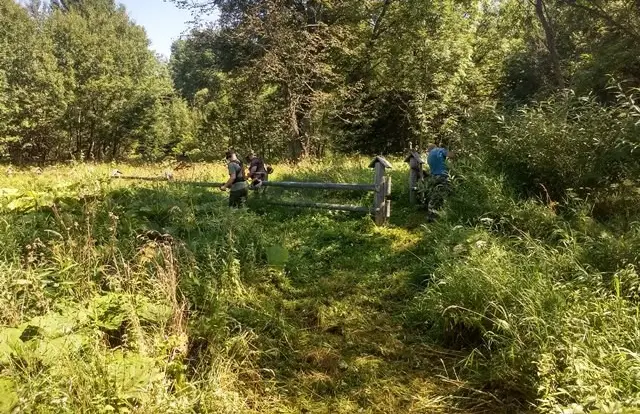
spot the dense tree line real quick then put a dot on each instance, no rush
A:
(77, 80)
(300, 77)
(293, 78)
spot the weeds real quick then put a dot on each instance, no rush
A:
(173, 303)
(542, 297)
(157, 298)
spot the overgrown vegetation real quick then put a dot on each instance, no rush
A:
(156, 297)
(119, 296)
(215, 318)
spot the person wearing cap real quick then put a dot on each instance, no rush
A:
(438, 184)
(237, 181)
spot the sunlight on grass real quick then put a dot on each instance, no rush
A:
(174, 303)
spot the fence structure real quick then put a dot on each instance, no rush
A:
(381, 187)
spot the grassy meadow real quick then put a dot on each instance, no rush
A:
(132, 297)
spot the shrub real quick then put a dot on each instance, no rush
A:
(544, 303)
(567, 142)
(534, 333)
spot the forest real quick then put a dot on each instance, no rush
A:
(523, 296)
(296, 79)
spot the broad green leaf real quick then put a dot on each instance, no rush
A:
(10, 343)
(8, 395)
(277, 255)
(132, 374)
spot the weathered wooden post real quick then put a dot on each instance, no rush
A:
(381, 206)
(415, 173)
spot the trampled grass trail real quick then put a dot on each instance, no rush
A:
(146, 297)
(350, 350)
(323, 331)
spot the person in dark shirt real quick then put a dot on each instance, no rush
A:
(236, 182)
(258, 171)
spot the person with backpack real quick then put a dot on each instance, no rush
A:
(237, 181)
(258, 171)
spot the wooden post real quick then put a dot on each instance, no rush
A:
(380, 203)
(415, 173)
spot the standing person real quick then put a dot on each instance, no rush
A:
(258, 171)
(237, 181)
(438, 184)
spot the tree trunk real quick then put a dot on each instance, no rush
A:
(551, 42)
(116, 144)
(294, 127)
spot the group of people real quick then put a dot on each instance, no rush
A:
(433, 187)
(258, 172)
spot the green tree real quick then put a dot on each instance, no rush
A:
(114, 81)
(32, 89)
(194, 63)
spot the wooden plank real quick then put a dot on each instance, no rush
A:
(320, 186)
(326, 206)
(282, 184)
(387, 185)
(160, 179)
(132, 177)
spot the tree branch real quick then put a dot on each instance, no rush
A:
(599, 12)
(551, 41)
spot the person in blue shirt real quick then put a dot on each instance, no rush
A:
(438, 180)
(437, 160)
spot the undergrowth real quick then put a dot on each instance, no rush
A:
(120, 296)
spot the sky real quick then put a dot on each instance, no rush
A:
(163, 21)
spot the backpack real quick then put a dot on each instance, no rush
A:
(243, 174)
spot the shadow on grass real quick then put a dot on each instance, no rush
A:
(334, 313)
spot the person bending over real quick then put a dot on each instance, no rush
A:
(258, 171)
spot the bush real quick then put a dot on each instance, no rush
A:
(542, 297)
(565, 143)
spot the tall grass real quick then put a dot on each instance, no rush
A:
(134, 297)
(534, 271)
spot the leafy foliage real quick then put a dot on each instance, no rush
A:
(155, 298)
(78, 81)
